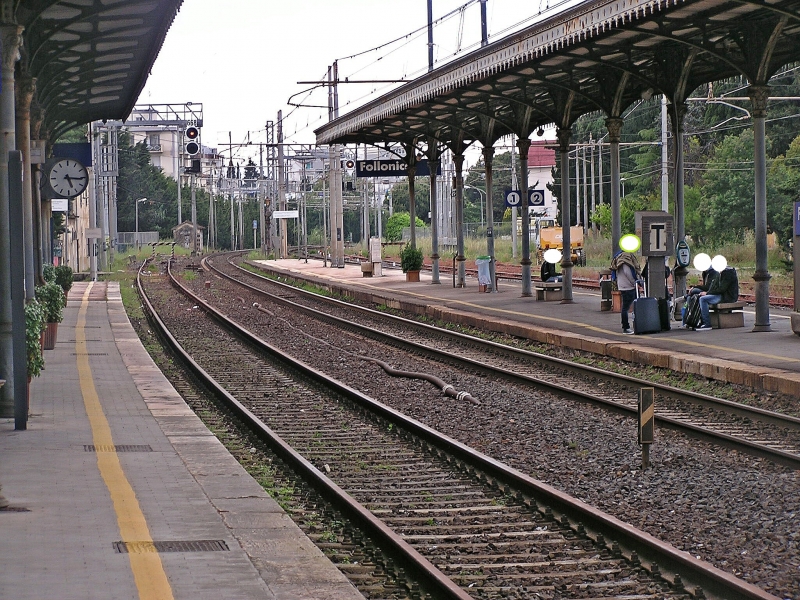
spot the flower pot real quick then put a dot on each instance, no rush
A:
(50, 334)
(412, 275)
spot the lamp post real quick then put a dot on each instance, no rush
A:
(470, 187)
(138, 246)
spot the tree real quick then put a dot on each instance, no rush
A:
(397, 222)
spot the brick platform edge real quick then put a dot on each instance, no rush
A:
(754, 376)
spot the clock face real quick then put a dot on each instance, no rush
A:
(67, 177)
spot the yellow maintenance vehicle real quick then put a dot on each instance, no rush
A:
(549, 235)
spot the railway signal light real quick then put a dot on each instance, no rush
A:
(192, 145)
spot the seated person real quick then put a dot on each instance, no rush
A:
(723, 287)
(549, 273)
(700, 287)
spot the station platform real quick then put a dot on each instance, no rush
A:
(767, 361)
(117, 489)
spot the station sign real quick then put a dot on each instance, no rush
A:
(514, 198)
(285, 214)
(654, 228)
(797, 219)
(392, 168)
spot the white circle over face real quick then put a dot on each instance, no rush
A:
(702, 261)
(552, 256)
(630, 243)
(719, 263)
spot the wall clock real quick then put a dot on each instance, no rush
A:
(64, 178)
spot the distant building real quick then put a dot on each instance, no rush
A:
(541, 161)
(182, 234)
(166, 143)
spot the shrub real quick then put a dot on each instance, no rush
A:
(51, 296)
(34, 326)
(49, 273)
(410, 258)
(63, 277)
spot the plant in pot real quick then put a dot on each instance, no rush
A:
(411, 262)
(51, 296)
(34, 327)
(63, 277)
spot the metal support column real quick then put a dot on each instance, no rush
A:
(488, 155)
(11, 39)
(434, 160)
(458, 161)
(614, 126)
(563, 136)
(524, 145)
(677, 114)
(759, 95)
(25, 87)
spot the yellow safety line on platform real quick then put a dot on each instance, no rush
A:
(148, 572)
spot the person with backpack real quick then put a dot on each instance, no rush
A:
(723, 287)
(625, 271)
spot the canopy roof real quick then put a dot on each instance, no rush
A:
(602, 55)
(90, 58)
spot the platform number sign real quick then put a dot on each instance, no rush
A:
(514, 198)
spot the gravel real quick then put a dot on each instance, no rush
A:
(738, 512)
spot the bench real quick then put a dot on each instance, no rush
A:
(547, 291)
(366, 269)
(726, 314)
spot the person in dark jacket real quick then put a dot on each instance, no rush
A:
(549, 272)
(722, 287)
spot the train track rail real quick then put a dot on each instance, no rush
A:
(460, 524)
(767, 434)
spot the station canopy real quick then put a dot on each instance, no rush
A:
(601, 55)
(90, 58)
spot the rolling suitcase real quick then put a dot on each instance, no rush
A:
(693, 317)
(646, 315)
(664, 314)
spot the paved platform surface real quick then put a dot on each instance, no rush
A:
(763, 360)
(155, 474)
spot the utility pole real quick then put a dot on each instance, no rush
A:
(179, 172)
(430, 35)
(484, 32)
(282, 189)
(261, 211)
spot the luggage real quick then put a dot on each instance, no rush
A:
(693, 317)
(664, 314)
(646, 316)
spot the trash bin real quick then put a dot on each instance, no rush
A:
(484, 275)
(605, 290)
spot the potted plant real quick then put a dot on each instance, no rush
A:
(63, 277)
(411, 262)
(51, 296)
(34, 327)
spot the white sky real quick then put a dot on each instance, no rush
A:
(242, 59)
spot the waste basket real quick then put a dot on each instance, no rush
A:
(605, 290)
(484, 275)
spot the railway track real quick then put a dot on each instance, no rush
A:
(458, 524)
(763, 433)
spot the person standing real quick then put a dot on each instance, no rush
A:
(625, 270)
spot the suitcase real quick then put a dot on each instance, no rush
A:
(664, 314)
(693, 317)
(646, 316)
